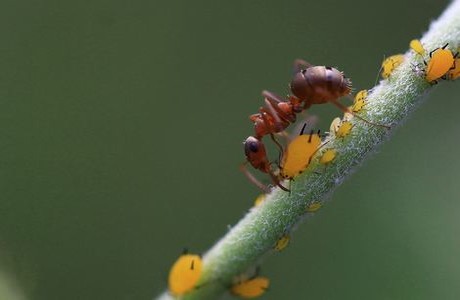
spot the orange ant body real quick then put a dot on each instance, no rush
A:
(310, 85)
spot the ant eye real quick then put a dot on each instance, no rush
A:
(253, 147)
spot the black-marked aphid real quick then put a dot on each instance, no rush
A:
(298, 154)
(250, 288)
(390, 64)
(310, 85)
(184, 274)
(328, 156)
(282, 242)
(314, 207)
(441, 62)
(341, 128)
(259, 200)
(359, 101)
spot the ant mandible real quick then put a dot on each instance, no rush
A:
(310, 85)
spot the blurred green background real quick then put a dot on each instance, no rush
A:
(121, 125)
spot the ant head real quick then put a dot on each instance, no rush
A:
(256, 154)
(252, 146)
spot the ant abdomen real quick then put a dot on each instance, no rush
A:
(320, 84)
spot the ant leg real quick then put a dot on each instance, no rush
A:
(300, 64)
(347, 110)
(276, 181)
(272, 101)
(298, 105)
(280, 148)
(268, 94)
(253, 179)
(277, 123)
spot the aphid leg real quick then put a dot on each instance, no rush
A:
(268, 94)
(454, 65)
(447, 76)
(300, 64)
(346, 110)
(434, 50)
(253, 179)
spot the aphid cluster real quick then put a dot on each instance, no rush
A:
(442, 62)
(310, 85)
(187, 269)
(390, 64)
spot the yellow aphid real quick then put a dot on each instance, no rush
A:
(361, 95)
(335, 124)
(251, 288)
(417, 46)
(328, 156)
(454, 73)
(358, 106)
(282, 242)
(314, 206)
(298, 154)
(390, 64)
(360, 101)
(184, 274)
(440, 63)
(260, 199)
(344, 129)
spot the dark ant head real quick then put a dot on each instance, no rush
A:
(252, 146)
(256, 154)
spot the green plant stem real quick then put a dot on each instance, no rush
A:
(390, 102)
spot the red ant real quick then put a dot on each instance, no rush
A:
(310, 85)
